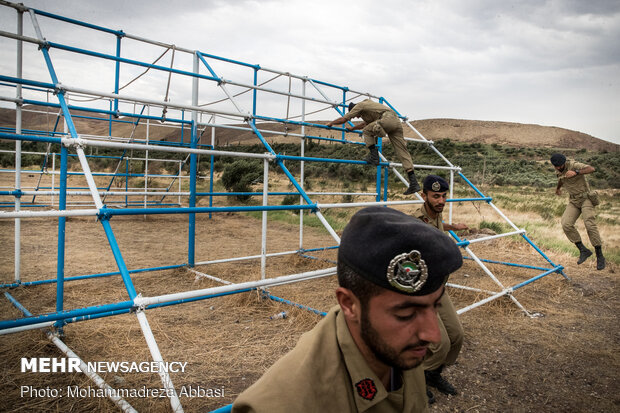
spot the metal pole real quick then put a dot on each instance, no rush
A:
(18, 146)
(302, 164)
(263, 257)
(191, 252)
(156, 354)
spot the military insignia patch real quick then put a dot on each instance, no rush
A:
(366, 389)
(436, 186)
(407, 272)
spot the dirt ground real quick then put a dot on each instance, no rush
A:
(565, 361)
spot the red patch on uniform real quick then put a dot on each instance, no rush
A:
(366, 389)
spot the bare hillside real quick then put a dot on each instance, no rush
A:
(508, 133)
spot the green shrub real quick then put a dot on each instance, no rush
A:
(240, 175)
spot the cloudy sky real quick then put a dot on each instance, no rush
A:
(553, 63)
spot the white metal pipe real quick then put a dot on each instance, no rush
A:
(328, 227)
(141, 147)
(55, 213)
(365, 204)
(501, 214)
(464, 287)
(399, 176)
(490, 237)
(146, 161)
(155, 353)
(483, 301)
(263, 249)
(18, 147)
(89, 178)
(249, 257)
(109, 391)
(451, 204)
(53, 175)
(107, 193)
(209, 276)
(146, 301)
(302, 165)
(484, 267)
(26, 328)
(146, 101)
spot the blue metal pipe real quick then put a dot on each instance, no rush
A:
(531, 280)
(117, 75)
(331, 160)
(543, 254)
(223, 409)
(191, 248)
(64, 314)
(89, 276)
(105, 112)
(128, 61)
(320, 82)
(301, 306)
(62, 205)
(17, 304)
(79, 23)
(120, 262)
(510, 264)
(471, 185)
(33, 138)
(208, 66)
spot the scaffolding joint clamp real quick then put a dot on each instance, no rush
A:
(73, 143)
(59, 89)
(104, 214)
(44, 44)
(138, 305)
(18, 193)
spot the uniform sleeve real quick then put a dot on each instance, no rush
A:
(578, 165)
(354, 113)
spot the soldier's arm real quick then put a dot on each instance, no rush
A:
(557, 188)
(358, 126)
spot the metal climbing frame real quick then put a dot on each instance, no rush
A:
(226, 108)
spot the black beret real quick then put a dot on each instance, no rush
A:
(397, 251)
(557, 159)
(435, 183)
(351, 106)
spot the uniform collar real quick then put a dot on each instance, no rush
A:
(368, 390)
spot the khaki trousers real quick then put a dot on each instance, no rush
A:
(389, 125)
(587, 212)
(447, 351)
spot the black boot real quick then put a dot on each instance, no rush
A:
(584, 253)
(414, 186)
(600, 260)
(430, 396)
(373, 156)
(434, 379)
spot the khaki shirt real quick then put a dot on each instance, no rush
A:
(577, 184)
(368, 110)
(326, 373)
(424, 216)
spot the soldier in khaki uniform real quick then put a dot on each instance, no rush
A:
(365, 355)
(571, 175)
(379, 120)
(434, 193)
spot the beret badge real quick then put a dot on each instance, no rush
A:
(407, 272)
(436, 187)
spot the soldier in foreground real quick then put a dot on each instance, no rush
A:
(581, 201)
(445, 353)
(379, 120)
(366, 354)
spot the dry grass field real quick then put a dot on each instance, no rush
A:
(565, 361)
